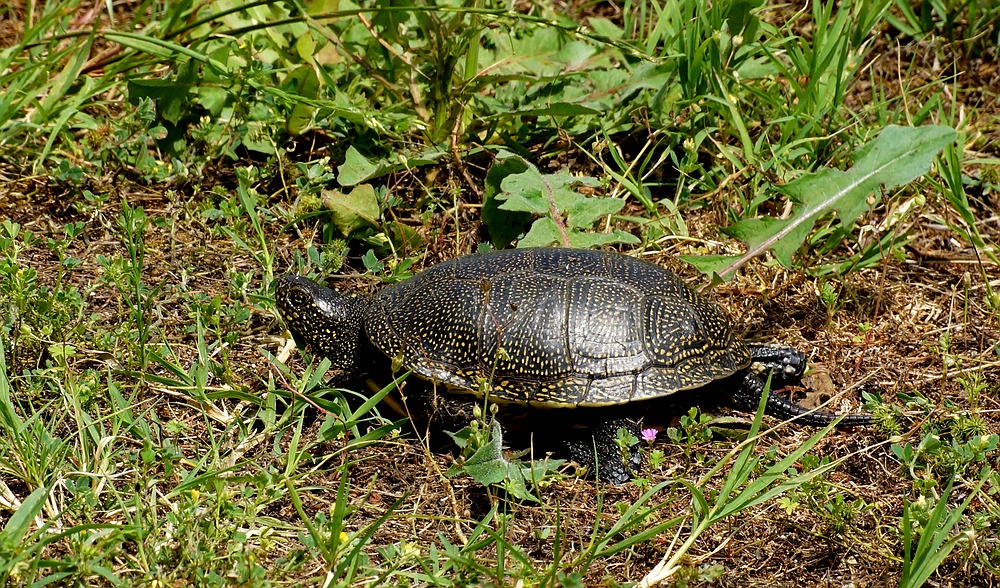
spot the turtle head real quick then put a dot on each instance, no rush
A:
(329, 322)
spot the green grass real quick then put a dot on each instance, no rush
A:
(164, 164)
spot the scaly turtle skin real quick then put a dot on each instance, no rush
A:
(549, 329)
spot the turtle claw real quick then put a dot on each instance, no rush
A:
(785, 364)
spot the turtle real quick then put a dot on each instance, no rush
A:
(547, 329)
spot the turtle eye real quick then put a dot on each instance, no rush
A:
(299, 295)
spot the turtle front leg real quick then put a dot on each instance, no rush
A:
(785, 364)
(440, 412)
(614, 464)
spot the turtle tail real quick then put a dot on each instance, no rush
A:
(751, 387)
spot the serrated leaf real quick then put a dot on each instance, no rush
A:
(574, 54)
(554, 197)
(532, 185)
(709, 264)
(584, 212)
(898, 156)
(605, 27)
(543, 233)
(748, 230)
(526, 200)
(581, 240)
(489, 467)
(356, 210)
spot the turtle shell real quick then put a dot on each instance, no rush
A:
(555, 328)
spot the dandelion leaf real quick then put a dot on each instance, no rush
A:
(898, 156)
(567, 216)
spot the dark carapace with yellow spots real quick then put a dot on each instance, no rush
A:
(548, 328)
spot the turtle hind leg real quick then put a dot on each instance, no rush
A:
(599, 451)
(750, 387)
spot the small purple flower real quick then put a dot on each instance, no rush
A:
(648, 435)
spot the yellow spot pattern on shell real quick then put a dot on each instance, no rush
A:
(556, 327)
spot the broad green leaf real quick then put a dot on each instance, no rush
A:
(354, 210)
(403, 236)
(709, 264)
(567, 215)
(306, 83)
(581, 240)
(898, 156)
(504, 225)
(488, 466)
(212, 98)
(556, 109)
(584, 212)
(305, 46)
(534, 192)
(170, 96)
(527, 200)
(355, 169)
(574, 54)
(605, 27)
(542, 234)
